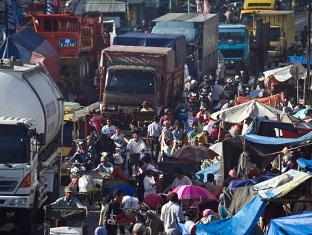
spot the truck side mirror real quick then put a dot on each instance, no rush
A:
(41, 138)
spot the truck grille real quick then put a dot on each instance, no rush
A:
(7, 186)
(232, 53)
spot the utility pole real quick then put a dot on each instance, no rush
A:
(308, 79)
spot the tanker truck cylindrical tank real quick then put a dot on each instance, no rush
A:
(29, 92)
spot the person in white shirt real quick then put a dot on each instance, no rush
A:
(149, 180)
(217, 90)
(180, 179)
(108, 129)
(135, 146)
(172, 214)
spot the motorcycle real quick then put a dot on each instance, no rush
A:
(204, 97)
(193, 101)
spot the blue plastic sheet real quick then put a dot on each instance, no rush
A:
(242, 223)
(248, 182)
(300, 224)
(305, 164)
(213, 169)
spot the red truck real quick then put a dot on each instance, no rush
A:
(133, 74)
(79, 40)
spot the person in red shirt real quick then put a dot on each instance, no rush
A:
(117, 171)
(167, 117)
(202, 113)
(97, 120)
(215, 132)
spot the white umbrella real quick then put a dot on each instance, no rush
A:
(250, 109)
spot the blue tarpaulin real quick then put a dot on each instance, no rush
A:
(276, 141)
(248, 182)
(213, 169)
(300, 224)
(176, 42)
(242, 223)
(305, 164)
(301, 59)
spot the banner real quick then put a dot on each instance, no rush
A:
(14, 17)
(49, 7)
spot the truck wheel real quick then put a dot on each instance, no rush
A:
(26, 220)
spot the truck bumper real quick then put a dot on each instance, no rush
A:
(12, 203)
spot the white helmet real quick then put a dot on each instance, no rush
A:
(74, 170)
(193, 82)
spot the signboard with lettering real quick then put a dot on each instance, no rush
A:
(67, 42)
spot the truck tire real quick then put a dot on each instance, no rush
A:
(26, 220)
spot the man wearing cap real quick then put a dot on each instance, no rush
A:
(153, 133)
(105, 166)
(230, 88)
(68, 201)
(171, 215)
(149, 180)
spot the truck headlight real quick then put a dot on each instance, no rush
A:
(18, 202)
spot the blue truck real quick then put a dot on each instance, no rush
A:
(234, 44)
(201, 34)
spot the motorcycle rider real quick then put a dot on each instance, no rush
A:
(241, 66)
(230, 88)
(182, 109)
(108, 129)
(82, 155)
(135, 146)
(167, 117)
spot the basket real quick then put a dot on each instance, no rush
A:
(134, 158)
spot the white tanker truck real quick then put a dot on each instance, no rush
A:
(31, 117)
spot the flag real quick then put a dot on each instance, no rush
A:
(49, 7)
(206, 8)
(14, 18)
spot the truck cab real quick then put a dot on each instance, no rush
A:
(234, 43)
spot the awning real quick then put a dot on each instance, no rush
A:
(250, 109)
(105, 7)
(287, 72)
(298, 177)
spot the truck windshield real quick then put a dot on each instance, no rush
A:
(275, 34)
(232, 37)
(247, 18)
(130, 81)
(14, 144)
